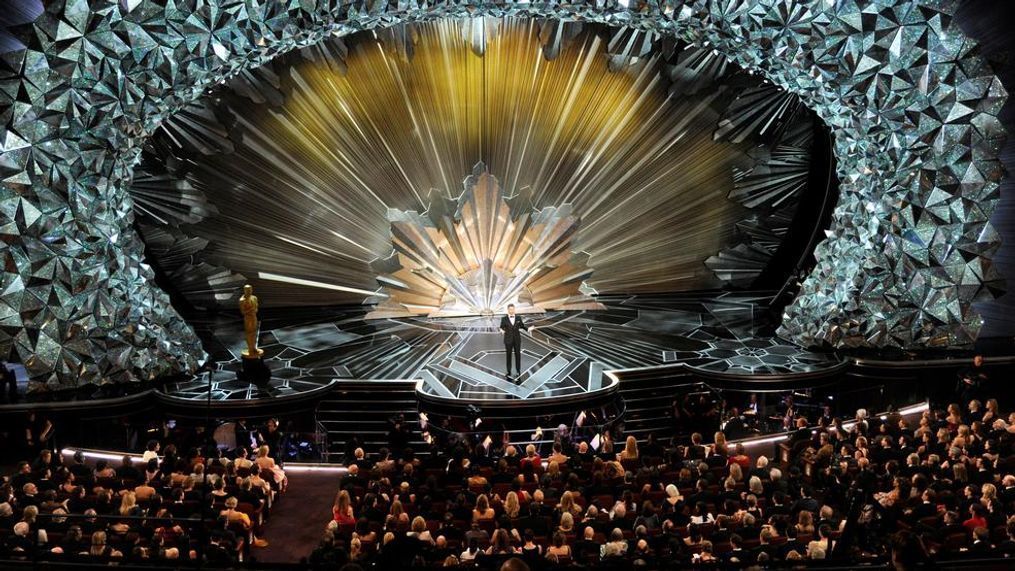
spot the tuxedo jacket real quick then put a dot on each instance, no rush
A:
(512, 333)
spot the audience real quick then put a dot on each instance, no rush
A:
(908, 480)
(51, 510)
(888, 490)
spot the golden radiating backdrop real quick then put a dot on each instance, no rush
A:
(299, 205)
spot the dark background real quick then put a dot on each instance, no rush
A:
(989, 22)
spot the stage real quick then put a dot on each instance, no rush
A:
(564, 353)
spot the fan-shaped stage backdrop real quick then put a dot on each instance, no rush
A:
(305, 176)
(912, 106)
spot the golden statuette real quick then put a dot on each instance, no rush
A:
(248, 307)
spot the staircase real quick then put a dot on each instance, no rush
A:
(363, 410)
(648, 395)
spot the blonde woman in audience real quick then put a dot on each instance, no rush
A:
(511, 505)
(672, 498)
(419, 531)
(99, 547)
(737, 473)
(566, 524)
(355, 549)
(483, 511)
(266, 462)
(567, 505)
(630, 451)
(755, 486)
(553, 471)
(232, 514)
(128, 505)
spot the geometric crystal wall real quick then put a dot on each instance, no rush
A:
(912, 106)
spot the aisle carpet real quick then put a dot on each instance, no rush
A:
(299, 519)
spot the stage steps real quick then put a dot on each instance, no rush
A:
(648, 396)
(363, 410)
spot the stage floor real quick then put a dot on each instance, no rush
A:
(564, 353)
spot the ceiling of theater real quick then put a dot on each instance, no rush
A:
(684, 171)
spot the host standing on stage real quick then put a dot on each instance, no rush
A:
(512, 326)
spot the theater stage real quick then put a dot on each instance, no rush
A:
(564, 354)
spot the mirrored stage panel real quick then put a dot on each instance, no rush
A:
(475, 368)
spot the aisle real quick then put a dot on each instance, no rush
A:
(298, 521)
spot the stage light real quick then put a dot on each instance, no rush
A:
(311, 283)
(296, 468)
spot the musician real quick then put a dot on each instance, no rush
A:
(752, 405)
(971, 380)
(512, 326)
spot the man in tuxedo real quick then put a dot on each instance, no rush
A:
(512, 326)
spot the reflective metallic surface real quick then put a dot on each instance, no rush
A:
(474, 256)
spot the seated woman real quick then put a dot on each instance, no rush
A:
(630, 451)
(558, 548)
(567, 505)
(566, 526)
(693, 536)
(740, 457)
(471, 552)
(241, 462)
(419, 531)
(342, 511)
(512, 507)
(500, 544)
(529, 546)
(231, 515)
(805, 523)
(363, 531)
(128, 508)
(483, 511)
(99, 547)
(266, 462)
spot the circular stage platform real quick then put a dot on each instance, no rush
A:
(565, 355)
